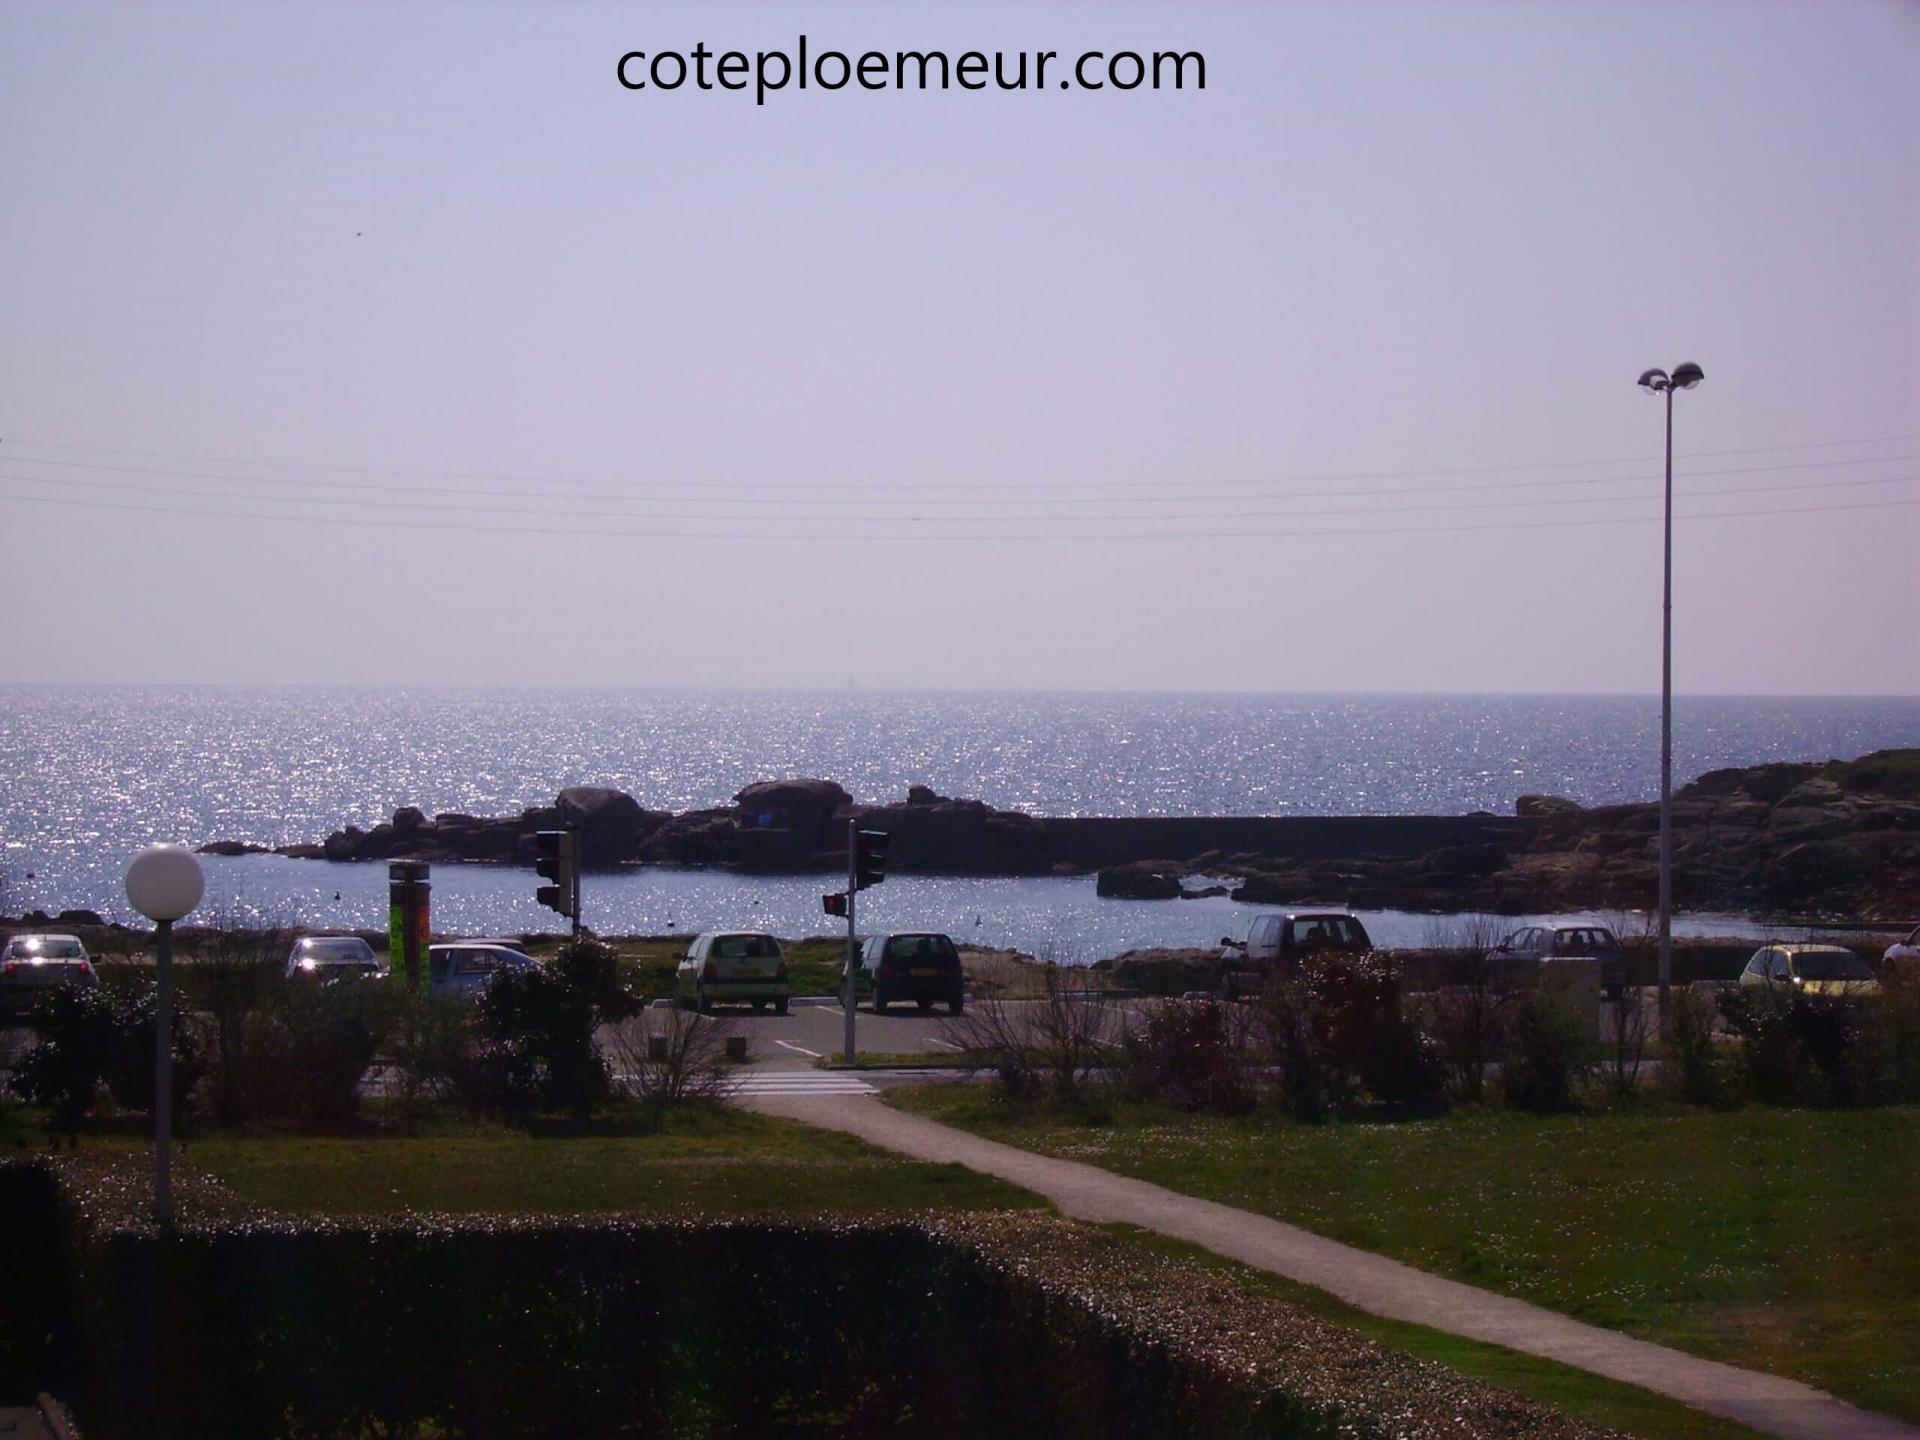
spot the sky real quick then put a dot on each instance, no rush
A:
(401, 344)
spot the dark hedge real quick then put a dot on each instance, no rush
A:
(247, 1324)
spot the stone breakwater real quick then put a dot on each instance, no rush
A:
(1840, 838)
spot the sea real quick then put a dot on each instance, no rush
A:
(90, 774)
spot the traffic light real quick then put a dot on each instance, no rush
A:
(869, 857)
(557, 863)
(834, 904)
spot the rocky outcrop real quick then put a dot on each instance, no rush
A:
(1840, 838)
(1141, 880)
(1529, 807)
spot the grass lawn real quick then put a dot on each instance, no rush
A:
(1604, 1402)
(727, 1163)
(1777, 1240)
(735, 1163)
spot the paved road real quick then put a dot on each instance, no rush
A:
(1767, 1403)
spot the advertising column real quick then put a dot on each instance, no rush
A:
(407, 922)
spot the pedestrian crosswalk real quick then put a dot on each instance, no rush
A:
(799, 1082)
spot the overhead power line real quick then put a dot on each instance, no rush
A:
(849, 487)
(869, 537)
(469, 508)
(911, 500)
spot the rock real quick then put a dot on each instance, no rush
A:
(922, 795)
(343, 844)
(612, 824)
(1817, 791)
(1140, 880)
(802, 805)
(408, 821)
(77, 917)
(1533, 806)
(233, 847)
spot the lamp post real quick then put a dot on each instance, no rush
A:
(164, 882)
(1659, 382)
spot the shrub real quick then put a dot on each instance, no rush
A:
(1802, 1049)
(1471, 1024)
(236, 971)
(435, 1049)
(1898, 1033)
(539, 1028)
(1191, 1055)
(1552, 1052)
(1057, 1045)
(1338, 1029)
(594, 967)
(1629, 1024)
(1698, 1073)
(672, 1058)
(93, 1038)
(309, 1048)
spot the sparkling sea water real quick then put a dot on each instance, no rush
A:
(89, 774)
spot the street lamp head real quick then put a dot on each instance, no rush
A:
(1654, 381)
(165, 882)
(1688, 376)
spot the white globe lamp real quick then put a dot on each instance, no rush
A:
(165, 882)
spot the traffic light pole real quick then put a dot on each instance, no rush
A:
(576, 880)
(846, 984)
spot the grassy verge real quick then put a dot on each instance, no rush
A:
(1590, 1397)
(1777, 1240)
(727, 1162)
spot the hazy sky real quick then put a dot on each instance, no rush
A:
(1300, 382)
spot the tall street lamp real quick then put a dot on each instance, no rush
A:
(1659, 382)
(164, 882)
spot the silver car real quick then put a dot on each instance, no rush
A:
(334, 957)
(732, 965)
(30, 965)
(463, 969)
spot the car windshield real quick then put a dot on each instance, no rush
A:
(39, 947)
(1339, 931)
(746, 947)
(340, 950)
(1830, 965)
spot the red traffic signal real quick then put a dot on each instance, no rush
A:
(834, 904)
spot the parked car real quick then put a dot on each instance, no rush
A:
(1904, 952)
(732, 965)
(334, 957)
(30, 965)
(1285, 938)
(1811, 969)
(913, 965)
(463, 969)
(1536, 943)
